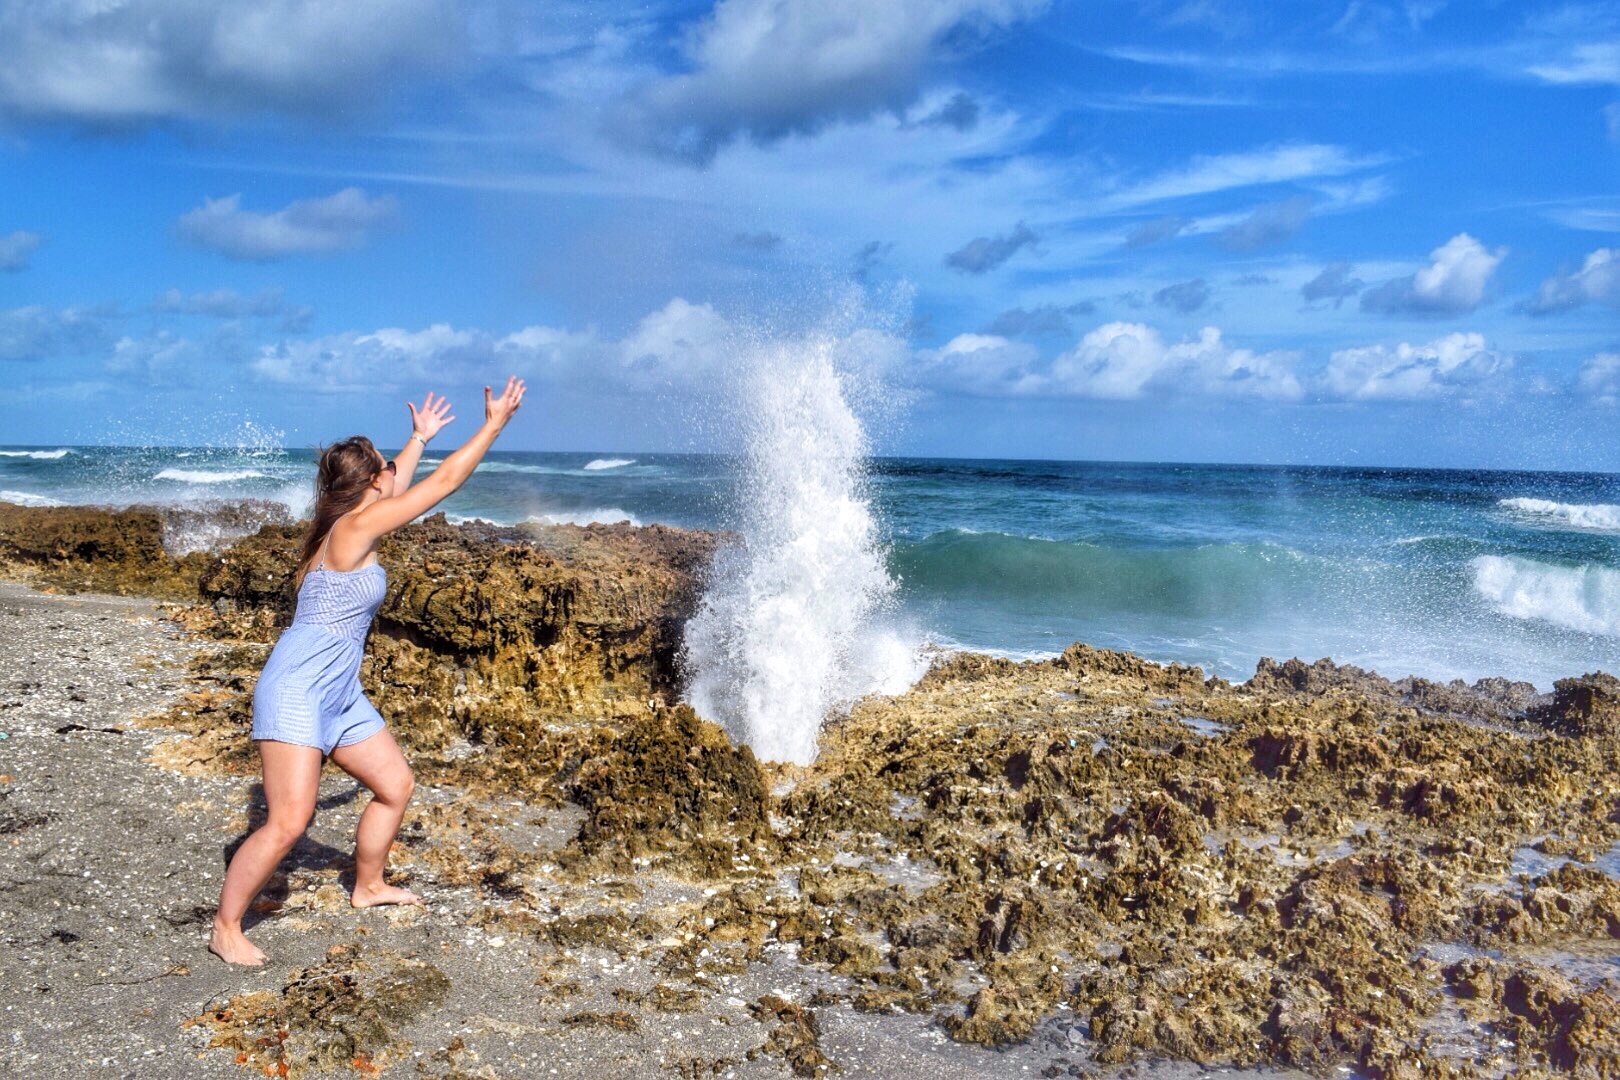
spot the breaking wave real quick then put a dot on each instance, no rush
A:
(24, 498)
(1599, 517)
(608, 463)
(208, 476)
(1584, 598)
(37, 455)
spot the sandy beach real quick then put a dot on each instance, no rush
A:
(1089, 866)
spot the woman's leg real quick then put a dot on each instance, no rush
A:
(376, 762)
(292, 775)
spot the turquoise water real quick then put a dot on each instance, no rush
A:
(1442, 573)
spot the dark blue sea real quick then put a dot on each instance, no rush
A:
(1440, 573)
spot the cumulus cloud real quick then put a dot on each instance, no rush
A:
(982, 364)
(766, 69)
(1270, 224)
(42, 333)
(1159, 228)
(1333, 283)
(1185, 297)
(337, 222)
(16, 249)
(1441, 368)
(1454, 281)
(985, 253)
(1600, 377)
(134, 62)
(1124, 360)
(1041, 320)
(1597, 281)
(679, 342)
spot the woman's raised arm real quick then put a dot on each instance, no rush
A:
(386, 515)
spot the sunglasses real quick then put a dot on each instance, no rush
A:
(390, 468)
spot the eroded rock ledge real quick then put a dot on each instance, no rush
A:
(1317, 868)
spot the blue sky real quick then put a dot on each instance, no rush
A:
(1350, 232)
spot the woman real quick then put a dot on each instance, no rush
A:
(308, 703)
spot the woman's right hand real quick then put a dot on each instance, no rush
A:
(498, 410)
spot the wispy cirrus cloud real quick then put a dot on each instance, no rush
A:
(1588, 62)
(337, 222)
(1224, 172)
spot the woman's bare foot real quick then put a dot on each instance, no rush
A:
(233, 947)
(377, 895)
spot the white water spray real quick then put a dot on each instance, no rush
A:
(790, 626)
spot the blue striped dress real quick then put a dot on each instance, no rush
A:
(309, 692)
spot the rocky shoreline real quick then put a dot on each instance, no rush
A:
(1094, 864)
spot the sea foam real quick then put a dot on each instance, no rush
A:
(608, 463)
(1584, 598)
(24, 498)
(209, 476)
(1600, 517)
(37, 455)
(789, 628)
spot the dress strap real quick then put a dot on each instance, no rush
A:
(327, 539)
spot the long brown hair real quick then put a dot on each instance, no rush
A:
(345, 471)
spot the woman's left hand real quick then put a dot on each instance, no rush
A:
(431, 417)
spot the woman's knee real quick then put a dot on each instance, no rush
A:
(284, 831)
(397, 789)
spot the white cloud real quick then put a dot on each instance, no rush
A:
(42, 333)
(680, 342)
(1223, 172)
(16, 248)
(1598, 281)
(1454, 281)
(1448, 365)
(1129, 360)
(338, 222)
(771, 68)
(982, 364)
(131, 62)
(1592, 62)
(1600, 377)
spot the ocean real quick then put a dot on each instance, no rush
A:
(1440, 573)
